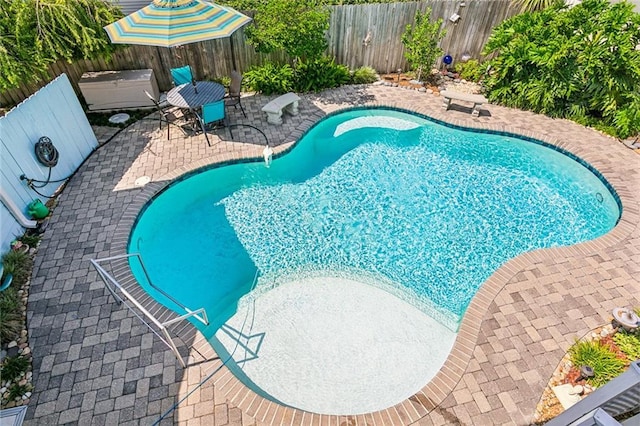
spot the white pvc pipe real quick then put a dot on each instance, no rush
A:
(15, 211)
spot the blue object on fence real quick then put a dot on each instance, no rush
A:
(447, 59)
(6, 281)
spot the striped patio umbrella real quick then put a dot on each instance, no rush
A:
(170, 23)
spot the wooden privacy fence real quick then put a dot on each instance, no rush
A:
(370, 34)
(365, 34)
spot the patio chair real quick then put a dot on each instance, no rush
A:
(233, 97)
(181, 75)
(165, 116)
(213, 113)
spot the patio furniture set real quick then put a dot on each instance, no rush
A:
(202, 103)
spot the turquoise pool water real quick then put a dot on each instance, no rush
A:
(425, 211)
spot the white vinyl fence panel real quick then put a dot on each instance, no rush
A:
(53, 111)
(9, 229)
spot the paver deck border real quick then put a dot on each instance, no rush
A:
(434, 392)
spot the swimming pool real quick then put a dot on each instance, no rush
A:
(411, 209)
(424, 211)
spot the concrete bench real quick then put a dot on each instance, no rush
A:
(287, 102)
(467, 97)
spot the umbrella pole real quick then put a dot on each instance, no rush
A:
(233, 55)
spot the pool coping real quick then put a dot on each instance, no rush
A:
(451, 372)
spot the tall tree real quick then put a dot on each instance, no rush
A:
(298, 27)
(35, 33)
(421, 41)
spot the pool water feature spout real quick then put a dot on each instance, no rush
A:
(267, 153)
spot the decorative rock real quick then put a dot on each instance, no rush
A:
(26, 351)
(577, 390)
(3, 390)
(10, 404)
(12, 344)
(462, 80)
(422, 89)
(604, 332)
(28, 394)
(429, 91)
(565, 395)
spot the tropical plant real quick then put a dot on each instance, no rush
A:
(471, 70)
(10, 316)
(35, 33)
(421, 42)
(270, 78)
(18, 264)
(364, 75)
(605, 364)
(32, 239)
(13, 367)
(628, 343)
(580, 63)
(320, 73)
(16, 391)
(298, 27)
(533, 5)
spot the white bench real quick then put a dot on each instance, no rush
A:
(287, 102)
(467, 97)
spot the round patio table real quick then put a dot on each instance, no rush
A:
(188, 96)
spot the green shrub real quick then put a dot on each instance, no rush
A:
(13, 367)
(11, 322)
(317, 74)
(364, 75)
(605, 364)
(471, 70)
(224, 80)
(579, 63)
(270, 78)
(297, 27)
(628, 343)
(18, 264)
(32, 239)
(421, 41)
(16, 391)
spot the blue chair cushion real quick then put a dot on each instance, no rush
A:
(181, 75)
(213, 112)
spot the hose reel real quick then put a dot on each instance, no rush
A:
(47, 155)
(46, 152)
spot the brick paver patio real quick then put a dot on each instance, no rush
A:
(96, 364)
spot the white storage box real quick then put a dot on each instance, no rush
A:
(113, 90)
